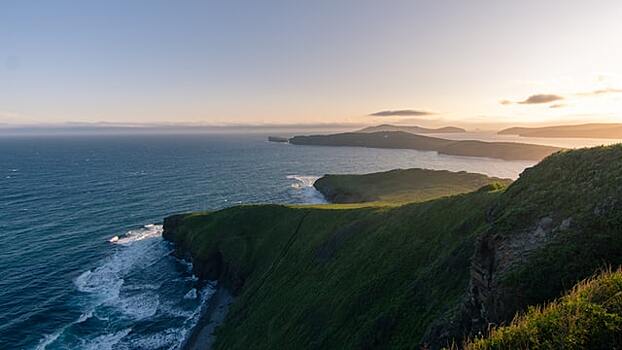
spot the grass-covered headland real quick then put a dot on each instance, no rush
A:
(419, 274)
(401, 186)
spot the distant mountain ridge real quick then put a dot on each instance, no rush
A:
(594, 130)
(414, 129)
(405, 140)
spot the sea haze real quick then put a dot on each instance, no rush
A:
(83, 263)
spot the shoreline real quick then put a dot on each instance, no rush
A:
(202, 334)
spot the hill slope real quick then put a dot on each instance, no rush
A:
(607, 131)
(422, 273)
(404, 140)
(589, 317)
(413, 129)
(401, 185)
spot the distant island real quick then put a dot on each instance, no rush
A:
(278, 139)
(405, 140)
(592, 131)
(402, 185)
(413, 129)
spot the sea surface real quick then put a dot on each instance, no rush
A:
(82, 261)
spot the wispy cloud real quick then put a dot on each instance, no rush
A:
(401, 113)
(601, 92)
(548, 98)
(541, 98)
(534, 99)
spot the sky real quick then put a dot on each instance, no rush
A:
(432, 63)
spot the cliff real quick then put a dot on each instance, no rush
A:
(426, 273)
(405, 140)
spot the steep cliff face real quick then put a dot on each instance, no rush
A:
(210, 266)
(558, 224)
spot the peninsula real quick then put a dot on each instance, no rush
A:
(405, 140)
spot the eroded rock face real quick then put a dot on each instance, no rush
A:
(488, 302)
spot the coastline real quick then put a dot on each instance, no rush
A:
(202, 335)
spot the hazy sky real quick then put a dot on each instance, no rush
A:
(316, 61)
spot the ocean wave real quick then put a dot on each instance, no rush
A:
(106, 341)
(192, 294)
(140, 306)
(124, 289)
(302, 189)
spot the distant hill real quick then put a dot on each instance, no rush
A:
(594, 131)
(405, 140)
(401, 185)
(411, 129)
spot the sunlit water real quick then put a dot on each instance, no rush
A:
(83, 263)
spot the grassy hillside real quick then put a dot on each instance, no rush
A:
(309, 277)
(411, 129)
(400, 276)
(405, 140)
(401, 186)
(589, 317)
(607, 131)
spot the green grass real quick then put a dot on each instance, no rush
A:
(589, 317)
(401, 186)
(362, 276)
(349, 279)
(583, 186)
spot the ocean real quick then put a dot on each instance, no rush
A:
(82, 261)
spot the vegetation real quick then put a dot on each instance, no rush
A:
(406, 140)
(589, 317)
(580, 191)
(309, 277)
(377, 276)
(401, 186)
(607, 131)
(411, 129)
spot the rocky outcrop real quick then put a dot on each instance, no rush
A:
(212, 267)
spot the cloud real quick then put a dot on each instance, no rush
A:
(401, 113)
(541, 98)
(506, 102)
(557, 105)
(601, 92)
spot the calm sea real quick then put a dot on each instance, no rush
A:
(67, 282)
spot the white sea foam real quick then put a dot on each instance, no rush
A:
(147, 232)
(303, 191)
(140, 306)
(85, 316)
(106, 341)
(116, 290)
(49, 339)
(192, 294)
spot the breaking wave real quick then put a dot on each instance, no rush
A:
(302, 189)
(138, 297)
